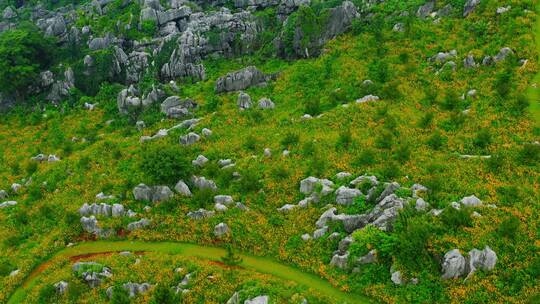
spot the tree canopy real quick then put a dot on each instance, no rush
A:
(24, 52)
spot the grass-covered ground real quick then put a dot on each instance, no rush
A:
(415, 134)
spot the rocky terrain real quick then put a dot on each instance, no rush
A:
(390, 148)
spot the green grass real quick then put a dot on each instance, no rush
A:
(260, 264)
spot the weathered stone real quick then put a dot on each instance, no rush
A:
(471, 201)
(61, 287)
(346, 196)
(203, 183)
(266, 103)
(481, 259)
(221, 229)
(223, 199)
(258, 300)
(340, 260)
(199, 161)
(241, 80)
(469, 7)
(244, 101)
(182, 188)
(453, 265)
(189, 139)
(200, 214)
(426, 9)
(138, 224)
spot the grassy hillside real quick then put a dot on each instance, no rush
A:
(416, 133)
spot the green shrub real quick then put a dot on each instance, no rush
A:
(312, 106)
(47, 294)
(344, 139)
(24, 53)
(5, 267)
(426, 120)
(482, 139)
(403, 152)
(503, 83)
(385, 140)
(119, 295)
(250, 143)
(495, 162)
(203, 198)
(455, 219)
(365, 239)
(436, 141)
(249, 182)
(165, 164)
(530, 154)
(508, 227)
(31, 168)
(411, 237)
(291, 139)
(163, 294)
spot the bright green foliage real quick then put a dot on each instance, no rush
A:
(165, 164)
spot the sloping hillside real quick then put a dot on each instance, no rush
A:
(389, 147)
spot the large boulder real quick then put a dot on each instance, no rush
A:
(481, 259)
(454, 265)
(346, 196)
(221, 229)
(241, 80)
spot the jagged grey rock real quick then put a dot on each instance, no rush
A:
(200, 182)
(469, 7)
(189, 139)
(182, 188)
(223, 199)
(346, 196)
(200, 214)
(221, 229)
(138, 224)
(340, 260)
(241, 80)
(61, 287)
(426, 9)
(199, 161)
(471, 201)
(266, 103)
(244, 101)
(453, 265)
(481, 259)
(258, 300)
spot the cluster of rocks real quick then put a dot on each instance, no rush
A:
(184, 283)
(105, 210)
(128, 100)
(244, 102)
(177, 108)
(447, 59)
(242, 79)
(41, 158)
(133, 289)
(152, 194)
(89, 273)
(186, 124)
(455, 265)
(235, 299)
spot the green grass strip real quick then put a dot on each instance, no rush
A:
(260, 264)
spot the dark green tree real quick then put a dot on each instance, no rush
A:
(230, 257)
(24, 52)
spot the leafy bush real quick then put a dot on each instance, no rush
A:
(5, 267)
(508, 227)
(426, 120)
(436, 141)
(250, 143)
(165, 164)
(530, 153)
(119, 295)
(250, 181)
(482, 139)
(365, 157)
(163, 294)
(47, 294)
(385, 140)
(312, 106)
(344, 139)
(454, 218)
(412, 235)
(503, 83)
(291, 139)
(24, 52)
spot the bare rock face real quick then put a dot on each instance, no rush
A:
(241, 80)
(339, 19)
